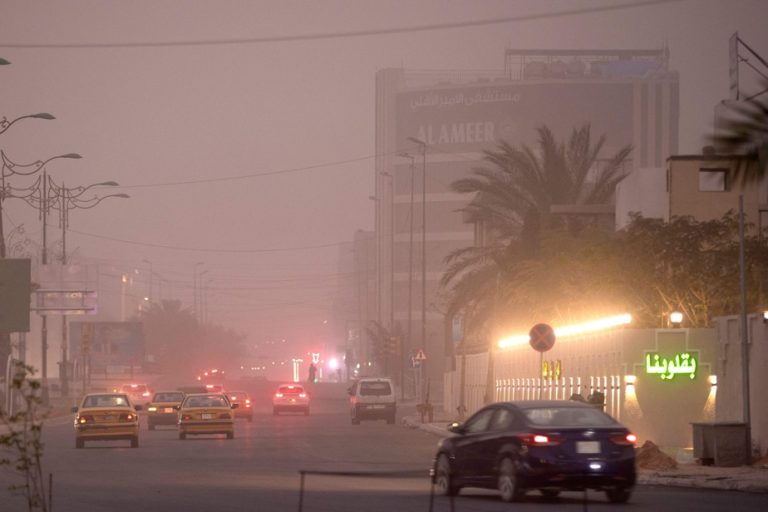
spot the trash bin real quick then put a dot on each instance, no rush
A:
(720, 443)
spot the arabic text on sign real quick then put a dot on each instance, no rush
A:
(684, 363)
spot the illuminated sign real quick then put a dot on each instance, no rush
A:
(552, 369)
(315, 357)
(684, 363)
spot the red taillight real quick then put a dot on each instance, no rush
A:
(278, 395)
(539, 440)
(186, 417)
(85, 418)
(302, 395)
(127, 417)
(627, 439)
(247, 401)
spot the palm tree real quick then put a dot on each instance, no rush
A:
(512, 202)
(746, 133)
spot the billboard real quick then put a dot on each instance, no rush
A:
(107, 344)
(15, 289)
(473, 118)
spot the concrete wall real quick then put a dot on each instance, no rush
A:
(730, 403)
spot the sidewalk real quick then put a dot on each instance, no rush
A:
(742, 478)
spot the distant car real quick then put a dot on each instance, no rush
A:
(214, 388)
(206, 413)
(290, 398)
(138, 393)
(549, 446)
(243, 399)
(162, 409)
(106, 417)
(372, 398)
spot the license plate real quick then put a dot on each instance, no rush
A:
(376, 406)
(587, 446)
(208, 416)
(107, 418)
(168, 409)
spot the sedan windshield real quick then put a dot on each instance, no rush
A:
(568, 417)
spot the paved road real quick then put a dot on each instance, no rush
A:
(259, 471)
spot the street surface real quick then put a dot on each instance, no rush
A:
(259, 470)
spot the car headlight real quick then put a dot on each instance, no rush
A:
(151, 409)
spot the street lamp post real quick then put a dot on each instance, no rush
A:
(423, 243)
(65, 199)
(37, 196)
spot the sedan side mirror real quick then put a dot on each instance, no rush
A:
(235, 406)
(455, 427)
(74, 409)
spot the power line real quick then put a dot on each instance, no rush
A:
(349, 34)
(201, 249)
(250, 175)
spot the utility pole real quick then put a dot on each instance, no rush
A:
(410, 263)
(423, 251)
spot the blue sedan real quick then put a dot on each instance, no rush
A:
(549, 446)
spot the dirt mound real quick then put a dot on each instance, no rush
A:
(761, 463)
(649, 456)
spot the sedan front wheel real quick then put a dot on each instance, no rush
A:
(443, 482)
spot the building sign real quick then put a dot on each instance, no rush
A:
(476, 117)
(684, 363)
(552, 370)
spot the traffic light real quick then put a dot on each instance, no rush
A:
(393, 345)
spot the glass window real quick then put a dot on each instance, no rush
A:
(375, 388)
(479, 422)
(712, 180)
(291, 390)
(106, 401)
(504, 419)
(568, 417)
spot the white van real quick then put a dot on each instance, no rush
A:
(372, 398)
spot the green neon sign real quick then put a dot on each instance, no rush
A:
(683, 363)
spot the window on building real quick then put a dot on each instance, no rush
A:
(712, 180)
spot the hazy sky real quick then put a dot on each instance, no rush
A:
(146, 116)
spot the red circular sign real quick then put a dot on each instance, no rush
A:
(542, 337)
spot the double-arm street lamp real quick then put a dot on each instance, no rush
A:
(32, 195)
(64, 199)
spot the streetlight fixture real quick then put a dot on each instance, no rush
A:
(423, 243)
(676, 318)
(11, 168)
(5, 123)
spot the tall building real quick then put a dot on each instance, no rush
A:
(432, 128)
